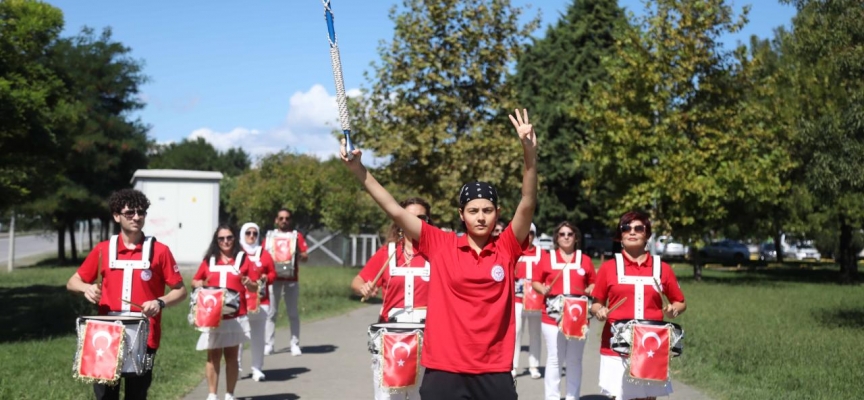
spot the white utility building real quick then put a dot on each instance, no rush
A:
(184, 209)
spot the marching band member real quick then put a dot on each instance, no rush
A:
(263, 262)
(225, 265)
(564, 272)
(285, 287)
(614, 283)
(393, 287)
(526, 272)
(143, 286)
(470, 336)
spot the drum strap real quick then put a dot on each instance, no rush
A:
(224, 269)
(575, 265)
(128, 266)
(639, 283)
(409, 273)
(529, 262)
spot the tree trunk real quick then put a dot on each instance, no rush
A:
(848, 257)
(778, 245)
(61, 243)
(90, 230)
(70, 224)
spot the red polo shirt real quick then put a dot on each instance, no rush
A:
(394, 286)
(232, 280)
(147, 284)
(608, 291)
(578, 281)
(470, 320)
(264, 267)
(301, 248)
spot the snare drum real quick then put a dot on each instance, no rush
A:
(622, 335)
(532, 301)
(555, 305)
(230, 304)
(376, 330)
(133, 346)
(397, 347)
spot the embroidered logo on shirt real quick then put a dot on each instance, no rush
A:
(176, 268)
(146, 275)
(498, 273)
(581, 271)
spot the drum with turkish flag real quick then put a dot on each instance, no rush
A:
(207, 308)
(100, 354)
(650, 353)
(574, 317)
(532, 302)
(400, 366)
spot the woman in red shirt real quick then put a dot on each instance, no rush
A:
(262, 261)
(470, 324)
(405, 255)
(576, 278)
(527, 271)
(225, 266)
(633, 232)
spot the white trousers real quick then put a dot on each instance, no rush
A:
(559, 349)
(533, 322)
(384, 394)
(257, 329)
(290, 292)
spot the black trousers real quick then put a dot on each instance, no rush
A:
(443, 385)
(136, 386)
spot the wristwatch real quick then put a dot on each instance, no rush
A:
(161, 303)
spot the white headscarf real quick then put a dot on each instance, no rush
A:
(250, 249)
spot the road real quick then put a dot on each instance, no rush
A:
(26, 247)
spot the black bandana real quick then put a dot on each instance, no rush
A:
(477, 190)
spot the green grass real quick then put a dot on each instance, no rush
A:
(779, 333)
(37, 338)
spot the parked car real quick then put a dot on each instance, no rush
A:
(668, 249)
(596, 244)
(725, 251)
(544, 242)
(767, 252)
(807, 252)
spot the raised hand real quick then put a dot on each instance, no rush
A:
(354, 162)
(524, 128)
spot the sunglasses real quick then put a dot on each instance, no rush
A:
(225, 238)
(131, 213)
(251, 233)
(627, 228)
(566, 234)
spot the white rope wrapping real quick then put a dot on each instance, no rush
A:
(340, 87)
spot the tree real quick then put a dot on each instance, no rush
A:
(558, 70)
(320, 194)
(31, 100)
(672, 131)
(827, 44)
(437, 107)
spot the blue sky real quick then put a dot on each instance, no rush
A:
(258, 75)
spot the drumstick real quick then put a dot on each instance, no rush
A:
(618, 304)
(380, 272)
(662, 296)
(131, 303)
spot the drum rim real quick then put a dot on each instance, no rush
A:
(219, 287)
(648, 322)
(392, 326)
(112, 318)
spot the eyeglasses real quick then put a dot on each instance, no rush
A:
(627, 228)
(225, 238)
(566, 234)
(251, 233)
(129, 214)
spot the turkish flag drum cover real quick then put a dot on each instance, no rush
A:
(574, 318)
(101, 352)
(650, 353)
(532, 301)
(208, 308)
(401, 359)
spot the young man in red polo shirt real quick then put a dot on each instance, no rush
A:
(145, 287)
(469, 339)
(285, 287)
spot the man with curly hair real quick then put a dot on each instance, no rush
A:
(143, 285)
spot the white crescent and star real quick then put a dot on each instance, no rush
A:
(397, 346)
(651, 335)
(209, 297)
(107, 337)
(577, 306)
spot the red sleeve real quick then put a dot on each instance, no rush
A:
(374, 264)
(590, 273)
(268, 266)
(671, 287)
(433, 239)
(508, 240)
(201, 274)
(170, 269)
(89, 269)
(601, 286)
(301, 243)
